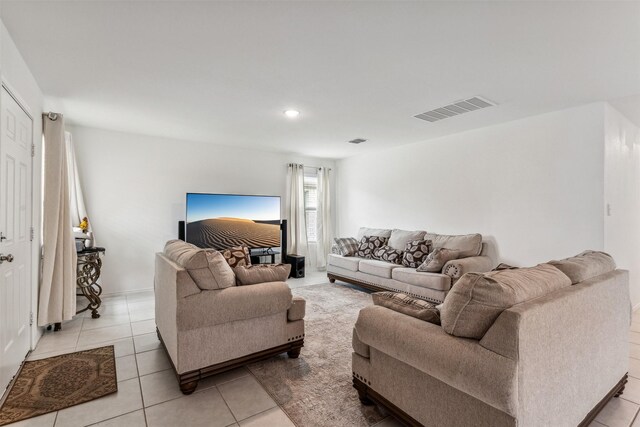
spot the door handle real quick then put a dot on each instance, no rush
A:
(8, 258)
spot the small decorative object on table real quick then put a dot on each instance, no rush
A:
(88, 273)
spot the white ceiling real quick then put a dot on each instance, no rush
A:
(223, 72)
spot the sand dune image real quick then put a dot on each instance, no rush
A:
(222, 233)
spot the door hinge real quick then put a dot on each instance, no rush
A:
(31, 318)
(33, 150)
(31, 233)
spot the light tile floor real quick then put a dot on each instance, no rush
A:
(148, 394)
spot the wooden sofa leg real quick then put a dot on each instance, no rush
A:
(188, 388)
(362, 395)
(293, 354)
(332, 280)
(621, 390)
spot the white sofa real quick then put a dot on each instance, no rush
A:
(381, 275)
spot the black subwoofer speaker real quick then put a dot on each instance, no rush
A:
(297, 265)
(181, 230)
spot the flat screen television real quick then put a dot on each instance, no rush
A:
(220, 221)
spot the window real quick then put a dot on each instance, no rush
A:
(311, 205)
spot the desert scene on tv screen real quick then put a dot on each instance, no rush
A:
(223, 221)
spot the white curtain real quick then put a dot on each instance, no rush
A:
(57, 300)
(78, 209)
(297, 222)
(323, 218)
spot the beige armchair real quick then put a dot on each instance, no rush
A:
(208, 331)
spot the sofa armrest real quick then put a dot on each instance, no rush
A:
(226, 305)
(575, 338)
(475, 264)
(462, 363)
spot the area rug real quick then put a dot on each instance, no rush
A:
(316, 389)
(55, 383)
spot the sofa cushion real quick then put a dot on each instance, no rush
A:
(468, 244)
(477, 299)
(388, 254)
(381, 232)
(437, 259)
(586, 265)
(348, 263)
(369, 244)
(347, 246)
(437, 281)
(377, 268)
(400, 238)
(209, 308)
(185, 254)
(416, 252)
(207, 267)
(261, 273)
(410, 306)
(237, 256)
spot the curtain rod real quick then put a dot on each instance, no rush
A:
(309, 166)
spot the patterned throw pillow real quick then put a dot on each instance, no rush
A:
(416, 252)
(437, 259)
(369, 244)
(410, 306)
(389, 254)
(335, 249)
(347, 246)
(237, 256)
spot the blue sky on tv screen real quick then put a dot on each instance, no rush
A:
(257, 208)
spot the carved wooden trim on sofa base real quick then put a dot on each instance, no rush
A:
(368, 395)
(333, 277)
(189, 380)
(616, 391)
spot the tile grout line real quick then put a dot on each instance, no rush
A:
(634, 417)
(271, 396)
(111, 418)
(144, 409)
(226, 404)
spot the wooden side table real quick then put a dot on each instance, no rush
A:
(88, 273)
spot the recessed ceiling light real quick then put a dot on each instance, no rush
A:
(291, 113)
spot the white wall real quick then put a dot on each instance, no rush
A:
(15, 74)
(135, 189)
(622, 195)
(533, 187)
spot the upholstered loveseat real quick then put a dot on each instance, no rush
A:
(208, 325)
(381, 275)
(554, 358)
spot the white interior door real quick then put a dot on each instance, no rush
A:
(15, 240)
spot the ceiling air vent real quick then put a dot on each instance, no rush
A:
(357, 141)
(455, 108)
